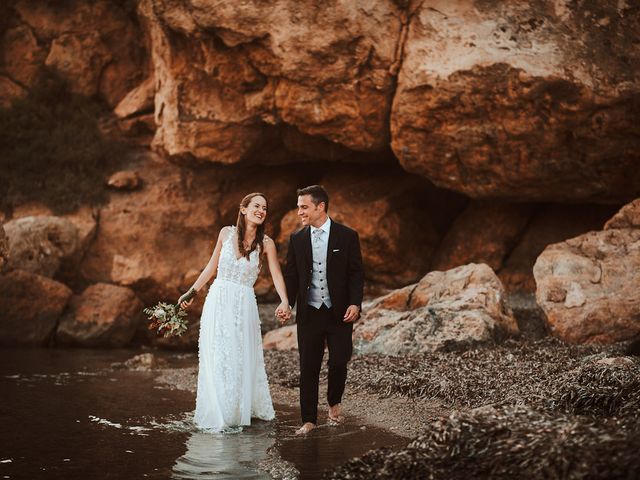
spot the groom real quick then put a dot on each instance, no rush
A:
(324, 275)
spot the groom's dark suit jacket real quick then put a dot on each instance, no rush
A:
(345, 277)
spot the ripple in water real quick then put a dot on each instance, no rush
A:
(234, 453)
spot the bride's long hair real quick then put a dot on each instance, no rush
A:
(241, 225)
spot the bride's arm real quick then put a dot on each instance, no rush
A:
(276, 273)
(210, 269)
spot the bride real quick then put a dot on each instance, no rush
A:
(232, 382)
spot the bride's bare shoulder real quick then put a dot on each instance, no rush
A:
(225, 232)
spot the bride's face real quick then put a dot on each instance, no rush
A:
(256, 211)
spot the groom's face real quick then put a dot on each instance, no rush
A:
(310, 213)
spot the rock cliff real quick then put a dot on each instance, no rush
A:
(447, 133)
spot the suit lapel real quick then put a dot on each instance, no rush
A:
(306, 245)
(333, 241)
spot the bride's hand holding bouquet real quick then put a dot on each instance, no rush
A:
(168, 319)
(186, 299)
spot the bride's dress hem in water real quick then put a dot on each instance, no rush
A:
(232, 381)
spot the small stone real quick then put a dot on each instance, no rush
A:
(615, 361)
(124, 180)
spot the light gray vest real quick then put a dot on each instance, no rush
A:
(319, 290)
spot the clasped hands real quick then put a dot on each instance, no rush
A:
(283, 312)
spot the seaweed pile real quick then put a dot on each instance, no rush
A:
(547, 374)
(540, 409)
(508, 442)
(598, 390)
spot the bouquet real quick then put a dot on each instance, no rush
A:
(169, 320)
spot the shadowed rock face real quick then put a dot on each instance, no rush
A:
(96, 46)
(31, 306)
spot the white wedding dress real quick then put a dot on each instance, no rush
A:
(232, 381)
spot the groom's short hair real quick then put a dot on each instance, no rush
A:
(318, 194)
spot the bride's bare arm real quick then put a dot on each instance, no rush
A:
(276, 272)
(211, 268)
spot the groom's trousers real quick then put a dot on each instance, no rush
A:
(320, 326)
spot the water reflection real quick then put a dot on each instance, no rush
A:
(327, 446)
(225, 455)
(71, 414)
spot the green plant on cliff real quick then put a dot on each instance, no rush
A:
(52, 151)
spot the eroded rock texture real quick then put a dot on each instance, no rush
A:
(588, 285)
(96, 46)
(528, 100)
(230, 75)
(531, 101)
(455, 309)
(529, 108)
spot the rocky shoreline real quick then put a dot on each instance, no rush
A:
(564, 404)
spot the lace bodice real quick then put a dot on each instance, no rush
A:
(234, 269)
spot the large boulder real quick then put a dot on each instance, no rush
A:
(228, 72)
(526, 100)
(31, 306)
(588, 285)
(102, 316)
(549, 223)
(47, 244)
(627, 217)
(283, 338)
(455, 309)
(39, 244)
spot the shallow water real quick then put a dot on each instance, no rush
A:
(71, 414)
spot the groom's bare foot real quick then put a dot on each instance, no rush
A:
(306, 428)
(335, 414)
